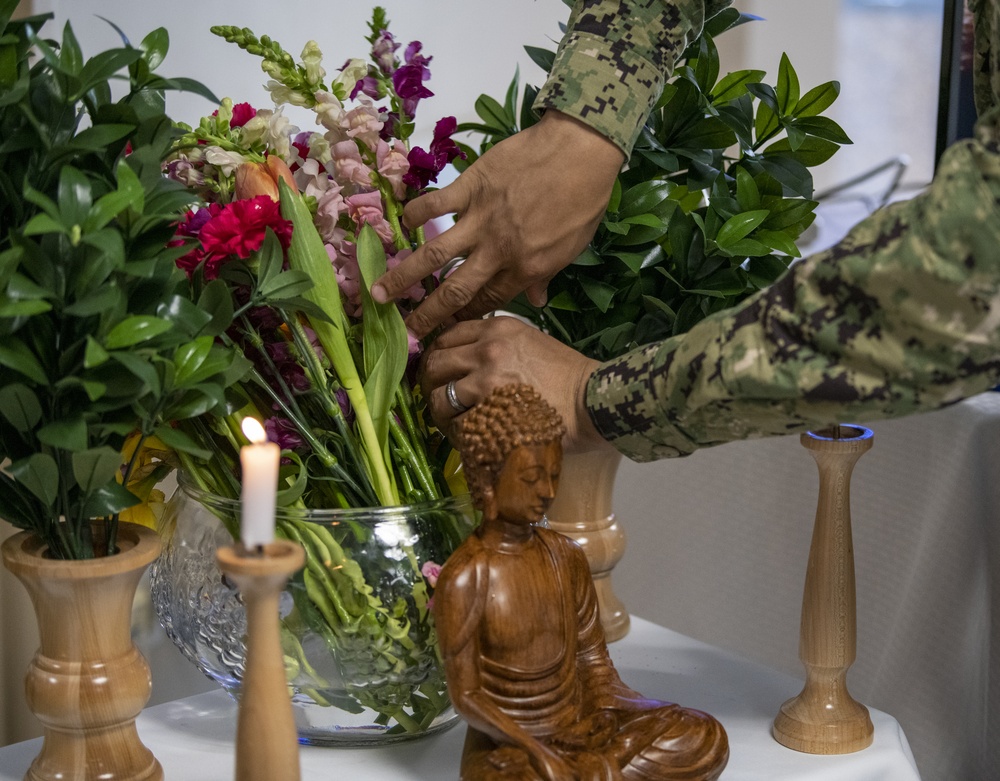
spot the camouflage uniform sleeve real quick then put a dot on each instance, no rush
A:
(615, 57)
(901, 316)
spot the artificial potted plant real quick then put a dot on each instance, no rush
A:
(100, 346)
(708, 210)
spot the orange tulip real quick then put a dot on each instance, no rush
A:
(253, 179)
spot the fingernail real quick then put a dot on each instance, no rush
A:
(379, 294)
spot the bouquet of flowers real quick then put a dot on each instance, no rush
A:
(296, 227)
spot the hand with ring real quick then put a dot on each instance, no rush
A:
(469, 359)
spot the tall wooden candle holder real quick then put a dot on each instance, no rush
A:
(267, 747)
(824, 718)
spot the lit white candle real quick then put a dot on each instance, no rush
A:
(259, 461)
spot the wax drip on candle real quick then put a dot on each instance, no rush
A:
(259, 460)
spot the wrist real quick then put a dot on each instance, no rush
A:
(574, 138)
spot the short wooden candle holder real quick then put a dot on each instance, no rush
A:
(267, 747)
(824, 718)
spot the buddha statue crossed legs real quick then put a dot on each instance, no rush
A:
(523, 648)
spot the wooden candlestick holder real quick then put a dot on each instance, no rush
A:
(824, 718)
(267, 747)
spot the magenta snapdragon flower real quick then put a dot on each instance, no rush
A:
(408, 80)
(384, 52)
(426, 165)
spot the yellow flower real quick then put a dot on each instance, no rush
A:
(153, 463)
(454, 474)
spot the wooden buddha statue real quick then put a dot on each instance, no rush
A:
(523, 648)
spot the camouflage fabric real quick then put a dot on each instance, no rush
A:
(615, 56)
(901, 316)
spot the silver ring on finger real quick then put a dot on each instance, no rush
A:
(453, 400)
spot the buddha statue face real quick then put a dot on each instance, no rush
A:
(527, 483)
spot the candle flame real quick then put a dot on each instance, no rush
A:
(253, 430)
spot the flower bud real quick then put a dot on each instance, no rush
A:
(253, 179)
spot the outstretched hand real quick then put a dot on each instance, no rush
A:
(526, 209)
(480, 355)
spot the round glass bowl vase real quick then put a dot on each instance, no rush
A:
(357, 635)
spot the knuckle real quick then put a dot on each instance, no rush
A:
(454, 294)
(436, 254)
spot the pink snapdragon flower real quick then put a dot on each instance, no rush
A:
(349, 168)
(329, 207)
(367, 208)
(363, 122)
(393, 165)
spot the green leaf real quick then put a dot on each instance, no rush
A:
(745, 248)
(104, 65)
(822, 127)
(140, 368)
(543, 58)
(384, 336)
(777, 240)
(494, 115)
(765, 123)
(286, 285)
(135, 329)
(563, 300)
(93, 354)
(19, 405)
(108, 499)
(14, 354)
(747, 194)
(787, 91)
(216, 300)
(24, 308)
(40, 475)
(99, 137)
(189, 357)
(110, 205)
(95, 467)
(739, 226)
(154, 47)
(70, 55)
(645, 197)
(177, 440)
(69, 434)
(790, 172)
(817, 100)
(706, 69)
(600, 293)
(734, 84)
(763, 271)
(41, 224)
(105, 299)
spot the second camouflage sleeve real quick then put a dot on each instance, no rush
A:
(901, 316)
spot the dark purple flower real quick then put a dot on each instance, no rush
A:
(369, 86)
(412, 56)
(424, 165)
(389, 126)
(408, 81)
(345, 404)
(284, 432)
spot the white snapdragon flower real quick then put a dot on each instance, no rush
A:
(227, 162)
(353, 72)
(277, 131)
(311, 58)
(329, 110)
(281, 94)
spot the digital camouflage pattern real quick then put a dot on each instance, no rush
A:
(901, 316)
(612, 63)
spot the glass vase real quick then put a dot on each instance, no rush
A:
(357, 634)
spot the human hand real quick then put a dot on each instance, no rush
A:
(480, 355)
(526, 209)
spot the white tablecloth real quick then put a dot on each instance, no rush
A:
(193, 737)
(717, 548)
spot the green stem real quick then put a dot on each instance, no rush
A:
(421, 470)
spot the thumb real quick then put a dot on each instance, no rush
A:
(538, 294)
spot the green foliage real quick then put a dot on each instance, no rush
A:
(98, 336)
(707, 211)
